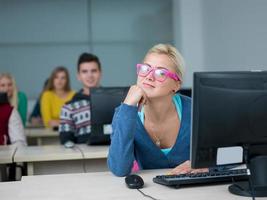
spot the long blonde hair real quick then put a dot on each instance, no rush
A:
(13, 100)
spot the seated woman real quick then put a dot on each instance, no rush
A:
(17, 99)
(11, 128)
(152, 125)
(56, 94)
(35, 118)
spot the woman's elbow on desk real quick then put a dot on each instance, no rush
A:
(117, 169)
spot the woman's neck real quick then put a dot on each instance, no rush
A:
(157, 110)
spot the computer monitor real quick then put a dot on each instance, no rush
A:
(229, 121)
(186, 91)
(103, 102)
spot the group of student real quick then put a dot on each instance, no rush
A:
(151, 127)
(56, 93)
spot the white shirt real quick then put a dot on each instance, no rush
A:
(15, 129)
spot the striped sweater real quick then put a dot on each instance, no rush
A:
(75, 119)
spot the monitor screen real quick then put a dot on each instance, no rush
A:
(103, 102)
(229, 125)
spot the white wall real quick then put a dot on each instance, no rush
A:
(188, 35)
(235, 34)
(219, 35)
(36, 36)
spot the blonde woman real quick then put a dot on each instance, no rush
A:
(56, 94)
(152, 125)
(17, 99)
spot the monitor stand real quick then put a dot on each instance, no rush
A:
(258, 179)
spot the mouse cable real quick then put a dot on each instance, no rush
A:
(83, 160)
(145, 195)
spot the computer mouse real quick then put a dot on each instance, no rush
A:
(134, 181)
(69, 144)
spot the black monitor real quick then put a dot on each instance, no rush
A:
(186, 91)
(103, 102)
(229, 121)
(3, 98)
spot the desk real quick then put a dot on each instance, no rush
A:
(6, 157)
(6, 153)
(95, 157)
(104, 185)
(42, 136)
(56, 159)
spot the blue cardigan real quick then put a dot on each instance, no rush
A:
(130, 141)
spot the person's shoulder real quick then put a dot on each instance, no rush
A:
(72, 93)
(183, 98)
(21, 95)
(74, 99)
(48, 93)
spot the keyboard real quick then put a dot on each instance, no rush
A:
(202, 178)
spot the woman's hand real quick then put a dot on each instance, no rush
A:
(136, 96)
(185, 168)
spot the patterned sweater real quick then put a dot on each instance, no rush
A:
(75, 119)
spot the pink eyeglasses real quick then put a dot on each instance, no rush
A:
(160, 74)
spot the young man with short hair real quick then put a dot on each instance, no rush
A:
(75, 118)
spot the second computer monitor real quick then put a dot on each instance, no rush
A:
(103, 102)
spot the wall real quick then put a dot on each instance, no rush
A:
(235, 34)
(36, 36)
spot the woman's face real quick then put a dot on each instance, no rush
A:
(6, 86)
(152, 87)
(60, 81)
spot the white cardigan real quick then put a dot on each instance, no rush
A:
(15, 129)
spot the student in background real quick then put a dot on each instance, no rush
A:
(17, 99)
(75, 115)
(35, 118)
(11, 131)
(11, 128)
(56, 94)
(152, 125)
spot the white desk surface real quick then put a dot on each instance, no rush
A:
(46, 153)
(6, 154)
(104, 185)
(91, 152)
(40, 132)
(59, 152)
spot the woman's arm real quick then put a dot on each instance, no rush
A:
(46, 108)
(121, 150)
(22, 107)
(15, 129)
